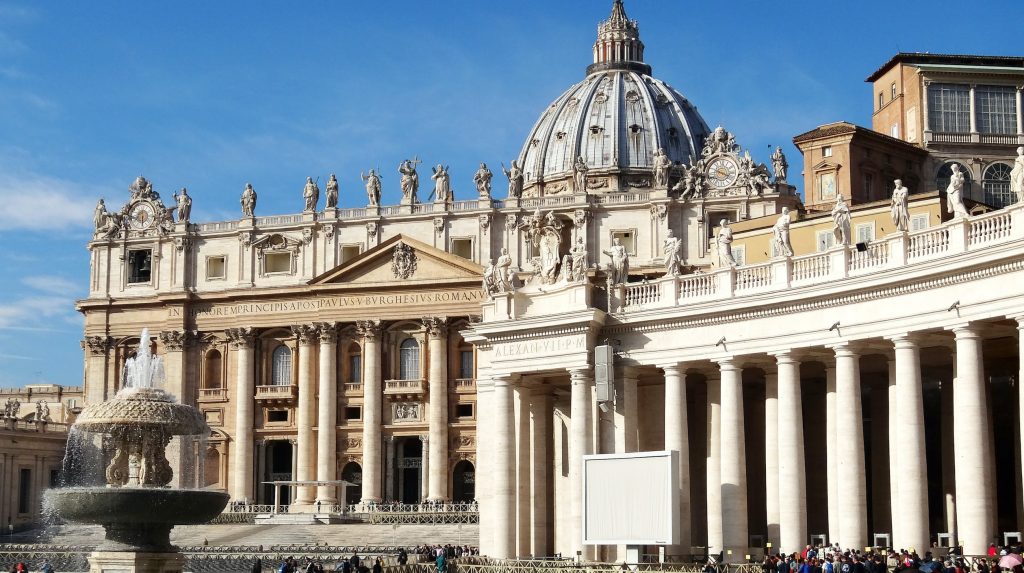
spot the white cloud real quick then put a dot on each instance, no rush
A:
(35, 202)
(52, 284)
(40, 313)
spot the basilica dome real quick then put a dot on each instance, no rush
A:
(616, 119)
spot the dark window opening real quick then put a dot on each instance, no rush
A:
(24, 490)
(353, 412)
(464, 410)
(140, 266)
(277, 415)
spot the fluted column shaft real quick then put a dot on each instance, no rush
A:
(580, 444)
(372, 399)
(792, 479)
(503, 492)
(713, 466)
(734, 463)
(540, 437)
(852, 485)
(305, 418)
(245, 392)
(437, 336)
(910, 455)
(831, 453)
(973, 503)
(327, 415)
(771, 456)
(677, 438)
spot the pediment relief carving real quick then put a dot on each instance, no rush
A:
(401, 259)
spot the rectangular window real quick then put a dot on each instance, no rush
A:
(881, 100)
(997, 109)
(918, 222)
(140, 266)
(349, 252)
(277, 263)
(277, 416)
(892, 91)
(627, 239)
(466, 364)
(740, 254)
(463, 248)
(355, 368)
(949, 108)
(826, 151)
(865, 233)
(24, 490)
(353, 412)
(713, 218)
(894, 130)
(216, 267)
(463, 410)
(869, 183)
(825, 240)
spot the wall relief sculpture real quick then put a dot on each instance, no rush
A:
(403, 261)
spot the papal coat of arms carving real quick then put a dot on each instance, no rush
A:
(403, 261)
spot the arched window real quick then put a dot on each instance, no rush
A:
(211, 370)
(942, 178)
(355, 364)
(409, 360)
(281, 366)
(996, 184)
(353, 474)
(463, 482)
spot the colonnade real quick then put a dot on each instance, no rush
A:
(316, 411)
(786, 506)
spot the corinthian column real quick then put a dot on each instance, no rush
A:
(852, 494)
(677, 438)
(175, 372)
(327, 414)
(792, 482)
(97, 349)
(908, 452)
(306, 413)
(974, 509)
(504, 478)
(580, 444)
(734, 462)
(242, 340)
(369, 330)
(437, 336)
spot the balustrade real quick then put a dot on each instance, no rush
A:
(989, 227)
(811, 267)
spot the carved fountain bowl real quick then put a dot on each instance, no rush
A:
(130, 505)
(142, 408)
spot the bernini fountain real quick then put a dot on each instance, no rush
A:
(136, 504)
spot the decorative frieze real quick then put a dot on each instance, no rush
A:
(402, 412)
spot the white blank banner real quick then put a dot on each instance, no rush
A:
(631, 499)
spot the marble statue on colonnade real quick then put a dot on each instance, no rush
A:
(579, 260)
(498, 277)
(725, 256)
(673, 253)
(580, 170)
(442, 192)
(410, 180)
(99, 216)
(780, 234)
(899, 207)
(841, 221)
(184, 205)
(618, 270)
(779, 165)
(372, 187)
(482, 179)
(311, 193)
(332, 192)
(955, 192)
(515, 180)
(662, 165)
(248, 201)
(1017, 175)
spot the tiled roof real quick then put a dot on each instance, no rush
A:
(961, 59)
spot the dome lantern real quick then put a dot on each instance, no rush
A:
(618, 45)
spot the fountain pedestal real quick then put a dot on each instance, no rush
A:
(135, 562)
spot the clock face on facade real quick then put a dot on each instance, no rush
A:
(142, 216)
(722, 173)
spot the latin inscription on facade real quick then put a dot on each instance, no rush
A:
(329, 303)
(550, 346)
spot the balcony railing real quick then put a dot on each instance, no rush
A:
(405, 386)
(893, 252)
(967, 137)
(464, 385)
(213, 394)
(353, 389)
(32, 426)
(276, 392)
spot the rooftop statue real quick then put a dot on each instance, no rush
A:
(841, 221)
(662, 167)
(899, 207)
(780, 235)
(1017, 175)
(410, 180)
(248, 201)
(580, 170)
(141, 188)
(515, 180)
(954, 193)
(311, 193)
(618, 269)
(184, 205)
(332, 192)
(673, 250)
(779, 165)
(99, 216)
(482, 178)
(442, 192)
(725, 256)
(579, 260)
(372, 187)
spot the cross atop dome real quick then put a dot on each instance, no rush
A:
(618, 45)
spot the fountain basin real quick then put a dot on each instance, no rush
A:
(136, 519)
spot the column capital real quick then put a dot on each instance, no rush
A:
(788, 356)
(678, 368)
(728, 363)
(307, 333)
(904, 340)
(368, 329)
(845, 349)
(581, 375)
(1019, 318)
(175, 340)
(328, 332)
(966, 330)
(437, 327)
(98, 345)
(243, 337)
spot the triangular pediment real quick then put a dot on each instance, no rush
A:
(826, 166)
(414, 263)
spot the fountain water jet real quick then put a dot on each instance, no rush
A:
(135, 506)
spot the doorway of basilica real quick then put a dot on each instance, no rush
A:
(408, 464)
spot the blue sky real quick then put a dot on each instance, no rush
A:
(211, 95)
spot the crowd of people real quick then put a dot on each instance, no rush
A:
(833, 559)
(438, 554)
